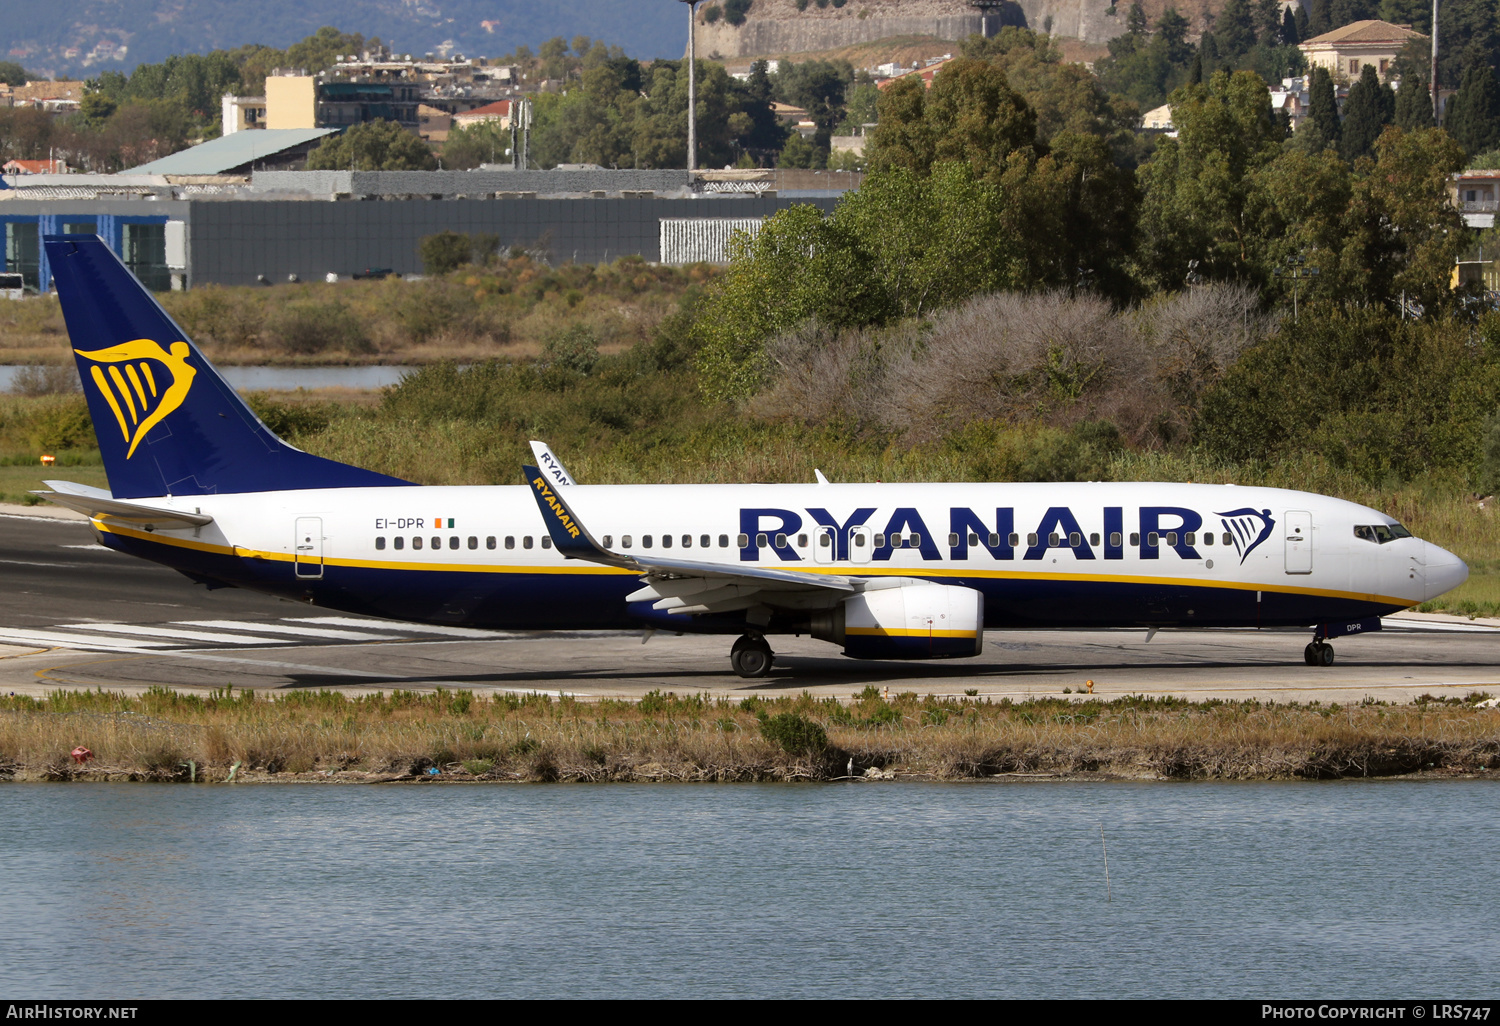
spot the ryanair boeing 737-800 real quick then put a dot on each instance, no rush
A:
(888, 571)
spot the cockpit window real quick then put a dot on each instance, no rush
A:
(1380, 533)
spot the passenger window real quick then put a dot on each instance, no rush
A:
(1172, 538)
(379, 544)
(1053, 541)
(473, 542)
(994, 541)
(879, 540)
(1075, 539)
(760, 541)
(953, 541)
(546, 541)
(1135, 538)
(398, 542)
(625, 542)
(609, 541)
(437, 542)
(489, 542)
(974, 539)
(825, 541)
(1190, 539)
(741, 540)
(1153, 540)
(859, 541)
(416, 543)
(1208, 538)
(1115, 539)
(526, 542)
(781, 541)
(704, 540)
(453, 541)
(510, 541)
(687, 541)
(801, 541)
(1014, 539)
(645, 541)
(916, 541)
(1094, 539)
(1227, 539)
(666, 541)
(1031, 540)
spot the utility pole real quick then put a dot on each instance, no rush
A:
(692, 147)
(1437, 110)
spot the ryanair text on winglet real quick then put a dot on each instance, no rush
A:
(557, 507)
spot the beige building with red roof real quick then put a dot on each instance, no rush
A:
(1345, 51)
(497, 114)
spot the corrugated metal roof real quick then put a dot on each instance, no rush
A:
(230, 151)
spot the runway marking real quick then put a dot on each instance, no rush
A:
(92, 545)
(55, 639)
(261, 627)
(157, 631)
(420, 628)
(30, 562)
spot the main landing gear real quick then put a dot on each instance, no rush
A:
(751, 656)
(1318, 653)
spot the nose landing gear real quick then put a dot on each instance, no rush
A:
(1318, 653)
(751, 656)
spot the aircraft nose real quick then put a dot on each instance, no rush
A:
(1445, 571)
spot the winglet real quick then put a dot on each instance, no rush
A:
(548, 461)
(569, 535)
(821, 479)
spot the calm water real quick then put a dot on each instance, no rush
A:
(1382, 889)
(284, 379)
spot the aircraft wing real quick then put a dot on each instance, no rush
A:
(96, 502)
(683, 585)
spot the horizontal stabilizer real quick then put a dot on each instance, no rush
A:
(94, 503)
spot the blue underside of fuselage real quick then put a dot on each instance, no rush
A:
(512, 600)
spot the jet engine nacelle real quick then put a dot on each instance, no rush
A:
(910, 621)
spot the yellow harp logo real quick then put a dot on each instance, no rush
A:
(141, 382)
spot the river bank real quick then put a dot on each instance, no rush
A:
(457, 736)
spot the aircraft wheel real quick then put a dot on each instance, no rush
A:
(1325, 655)
(1310, 654)
(751, 656)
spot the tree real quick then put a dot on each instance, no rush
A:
(1414, 103)
(1473, 116)
(372, 146)
(1369, 107)
(1289, 34)
(1405, 232)
(1344, 12)
(970, 114)
(1268, 20)
(1319, 19)
(468, 147)
(12, 74)
(321, 50)
(1235, 28)
(1195, 187)
(1322, 126)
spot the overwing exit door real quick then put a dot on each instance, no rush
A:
(307, 550)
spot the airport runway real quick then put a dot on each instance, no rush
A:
(74, 614)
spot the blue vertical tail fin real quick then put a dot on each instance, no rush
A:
(167, 424)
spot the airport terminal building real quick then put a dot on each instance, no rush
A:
(178, 231)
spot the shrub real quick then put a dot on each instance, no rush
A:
(793, 734)
(45, 379)
(310, 327)
(712, 13)
(287, 420)
(444, 252)
(575, 348)
(735, 10)
(479, 767)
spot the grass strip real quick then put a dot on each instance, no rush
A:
(166, 735)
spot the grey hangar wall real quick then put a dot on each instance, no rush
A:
(233, 243)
